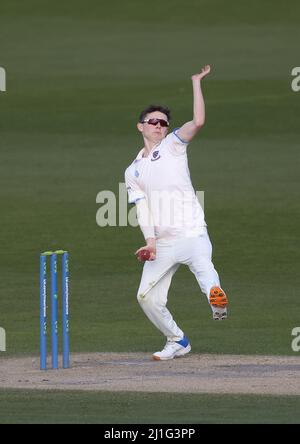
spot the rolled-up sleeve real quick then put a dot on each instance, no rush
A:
(137, 196)
(134, 191)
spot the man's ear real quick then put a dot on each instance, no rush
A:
(140, 127)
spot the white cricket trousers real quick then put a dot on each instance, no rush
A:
(196, 253)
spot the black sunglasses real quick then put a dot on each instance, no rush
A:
(154, 122)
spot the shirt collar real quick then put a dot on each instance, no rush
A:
(140, 155)
(141, 152)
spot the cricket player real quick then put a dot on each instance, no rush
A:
(171, 219)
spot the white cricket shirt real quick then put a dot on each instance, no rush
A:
(163, 179)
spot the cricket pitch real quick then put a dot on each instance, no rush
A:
(195, 373)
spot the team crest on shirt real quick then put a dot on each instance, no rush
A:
(155, 155)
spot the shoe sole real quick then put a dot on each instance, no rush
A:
(221, 317)
(218, 298)
(178, 354)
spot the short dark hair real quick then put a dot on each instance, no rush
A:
(151, 109)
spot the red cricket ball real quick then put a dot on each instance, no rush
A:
(144, 255)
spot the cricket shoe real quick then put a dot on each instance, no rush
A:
(218, 301)
(173, 349)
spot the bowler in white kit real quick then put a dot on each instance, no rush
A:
(171, 219)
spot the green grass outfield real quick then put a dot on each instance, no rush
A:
(77, 77)
(25, 407)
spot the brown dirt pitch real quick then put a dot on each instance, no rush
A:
(195, 373)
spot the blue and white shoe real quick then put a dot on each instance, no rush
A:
(173, 349)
